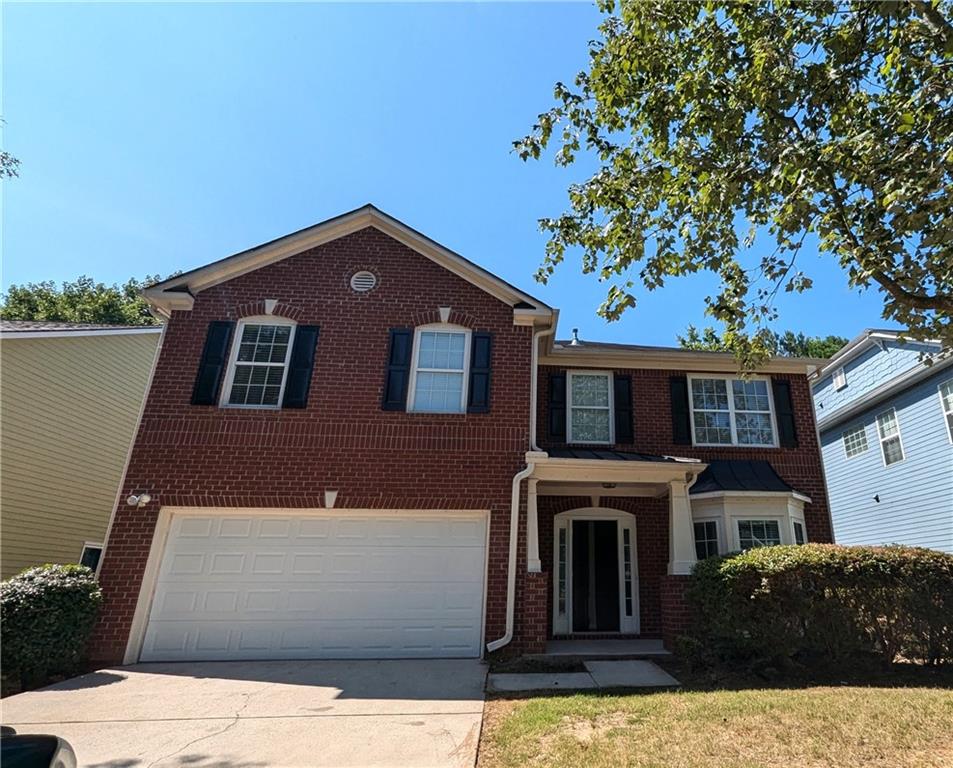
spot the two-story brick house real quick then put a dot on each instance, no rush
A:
(359, 444)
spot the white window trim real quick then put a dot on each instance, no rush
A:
(731, 412)
(569, 407)
(882, 439)
(798, 521)
(718, 536)
(946, 413)
(233, 359)
(464, 390)
(839, 379)
(765, 519)
(92, 545)
(843, 436)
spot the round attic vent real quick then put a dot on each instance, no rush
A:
(363, 281)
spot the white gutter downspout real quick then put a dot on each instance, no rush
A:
(511, 564)
(518, 478)
(534, 384)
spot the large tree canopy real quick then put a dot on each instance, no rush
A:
(725, 133)
(81, 301)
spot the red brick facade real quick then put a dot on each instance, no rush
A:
(800, 467)
(206, 456)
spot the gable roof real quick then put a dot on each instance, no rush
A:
(178, 292)
(860, 343)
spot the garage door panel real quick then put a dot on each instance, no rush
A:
(311, 586)
(410, 600)
(337, 639)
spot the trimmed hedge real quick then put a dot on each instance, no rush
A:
(822, 605)
(46, 615)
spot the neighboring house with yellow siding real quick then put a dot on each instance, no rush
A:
(70, 398)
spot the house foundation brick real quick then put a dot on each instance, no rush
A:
(676, 617)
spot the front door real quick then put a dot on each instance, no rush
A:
(595, 570)
(595, 575)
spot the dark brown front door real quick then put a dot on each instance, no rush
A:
(595, 576)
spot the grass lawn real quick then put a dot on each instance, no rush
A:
(888, 723)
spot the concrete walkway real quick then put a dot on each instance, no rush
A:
(257, 714)
(599, 675)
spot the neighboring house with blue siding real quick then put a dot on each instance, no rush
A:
(885, 420)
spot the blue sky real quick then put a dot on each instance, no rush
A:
(160, 137)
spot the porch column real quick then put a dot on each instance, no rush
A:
(681, 533)
(532, 529)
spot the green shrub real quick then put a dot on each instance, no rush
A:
(822, 605)
(46, 617)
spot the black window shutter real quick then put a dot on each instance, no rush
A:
(784, 411)
(681, 413)
(557, 406)
(208, 380)
(478, 400)
(398, 370)
(622, 403)
(298, 381)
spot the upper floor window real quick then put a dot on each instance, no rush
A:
(758, 533)
(890, 444)
(258, 365)
(590, 407)
(441, 361)
(728, 411)
(946, 402)
(840, 379)
(855, 441)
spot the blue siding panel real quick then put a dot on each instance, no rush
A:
(916, 495)
(865, 372)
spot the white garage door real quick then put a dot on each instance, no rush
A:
(308, 585)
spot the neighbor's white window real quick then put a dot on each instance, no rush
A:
(259, 363)
(729, 411)
(441, 361)
(890, 444)
(855, 441)
(758, 533)
(590, 407)
(706, 539)
(840, 379)
(946, 401)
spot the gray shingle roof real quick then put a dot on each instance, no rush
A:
(35, 326)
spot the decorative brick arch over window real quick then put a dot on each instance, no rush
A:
(258, 308)
(432, 317)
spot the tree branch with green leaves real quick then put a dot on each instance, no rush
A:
(783, 119)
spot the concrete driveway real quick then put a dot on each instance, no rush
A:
(276, 713)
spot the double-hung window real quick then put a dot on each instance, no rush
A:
(890, 444)
(706, 538)
(590, 407)
(259, 363)
(758, 533)
(441, 360)
(946, 402)
(728, 411)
